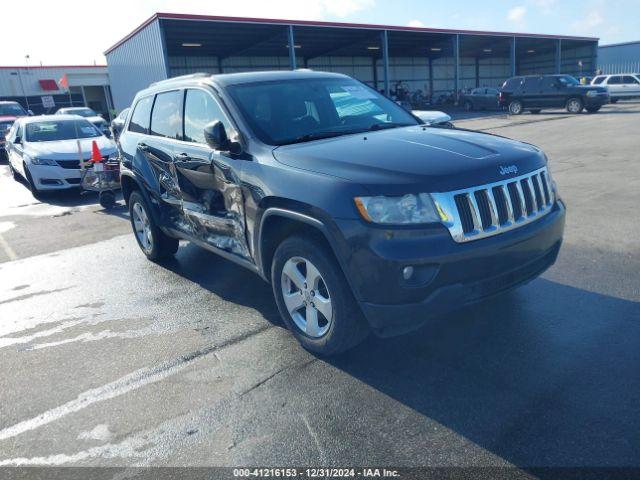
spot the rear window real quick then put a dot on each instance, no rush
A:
(532, 83)
(165, 119)
(141, 114)
(512, 83)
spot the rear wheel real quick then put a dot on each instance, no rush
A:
(155, 244)
(593, 109)
(314, 298)
(516, 107)
(575, 105)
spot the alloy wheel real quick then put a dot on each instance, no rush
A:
(142, 227)
(574, 106)
(306, 297)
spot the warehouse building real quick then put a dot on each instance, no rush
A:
(45, 89)
(619, 58)
(429, 63)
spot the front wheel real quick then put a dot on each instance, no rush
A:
(516, 107)
(32, 184)
(575, 105)
(314, 297)
(155, 244)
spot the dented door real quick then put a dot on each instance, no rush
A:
(209, 180)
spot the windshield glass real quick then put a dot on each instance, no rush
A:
(83, 112)
(568, 80)
(12, 110)
(292, 111)
(51, 131)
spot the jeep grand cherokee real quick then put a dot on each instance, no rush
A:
(359, 216)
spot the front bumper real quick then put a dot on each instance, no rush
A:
(597, 101)
(447, 275)
(48, 177)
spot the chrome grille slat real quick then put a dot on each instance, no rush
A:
(479, 212)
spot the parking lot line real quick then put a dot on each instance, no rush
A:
(9, 252)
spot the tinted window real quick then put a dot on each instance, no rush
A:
(55, 130)
(568, 80)
(12, 110)
(492, 91)
(512, 83)
(614, 80)
(598, 80)
(629, 79)
(532, 83)
(290, 111)
(549, 83)
(200, 109)
(165, 119)
(477, 91)
(140, 119)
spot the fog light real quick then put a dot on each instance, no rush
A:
(407, 272)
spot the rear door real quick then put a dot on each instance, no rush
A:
(14, 150)
(491, 98)
(209, 180)
(531, 92)
(552, 93)
(614, 83)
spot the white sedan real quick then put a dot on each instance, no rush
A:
(44, 150)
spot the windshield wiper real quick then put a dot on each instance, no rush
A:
(308, 137)
(384, 126)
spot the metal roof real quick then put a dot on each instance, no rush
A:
(335, 25)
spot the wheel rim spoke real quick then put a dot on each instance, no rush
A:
(313, 276)
(313, 328)
(323, 305)
(293, 274)
(293, 301)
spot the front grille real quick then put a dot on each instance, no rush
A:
(487, 210)
(73, 181)
(75, 164)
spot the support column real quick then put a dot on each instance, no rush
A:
(456, 56)
(514, 69)
(292, 49)
(477, 72)
(430, 80)
(220, 69)
(84, 97)
(559, 56)
(385, 62)
(374, 65)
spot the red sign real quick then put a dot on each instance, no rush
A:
(48, 85)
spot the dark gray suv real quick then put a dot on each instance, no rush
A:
(360, 217)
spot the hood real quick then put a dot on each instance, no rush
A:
(441, 159)
(68, 149)
(586, 88)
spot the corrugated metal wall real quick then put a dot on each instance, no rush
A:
(624, 58)
(136, 64)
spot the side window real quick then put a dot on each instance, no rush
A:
(512, 83)
(532, 84)
(614, 80)
(629, 79)
(200, 108)
(548, 83)
(492, 91)
(140, 119)
(165, 118)
(598, 80)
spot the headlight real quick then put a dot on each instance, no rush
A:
(408, 209)
(591, 93)
(43, 161)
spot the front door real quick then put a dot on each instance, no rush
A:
(209, 184)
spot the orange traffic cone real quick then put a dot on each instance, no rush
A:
(96, 156)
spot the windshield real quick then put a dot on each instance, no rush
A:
(51, 131)
(12, 110)
(568, 80)
(83, 112)
(292, 111)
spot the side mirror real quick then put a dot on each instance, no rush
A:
(30, 113)
(216, 136)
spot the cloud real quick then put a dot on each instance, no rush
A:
(589, 22)
(415, 23)
(546, 6)
(517, 14)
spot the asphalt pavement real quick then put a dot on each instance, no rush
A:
(107, 359)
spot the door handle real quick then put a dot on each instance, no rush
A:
(183, 157)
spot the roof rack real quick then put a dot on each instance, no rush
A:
(181, 78)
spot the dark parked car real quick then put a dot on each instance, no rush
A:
(481, 99)
(117, 124)
(359, 216)
(538, 92)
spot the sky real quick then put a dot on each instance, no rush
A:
(77, 32)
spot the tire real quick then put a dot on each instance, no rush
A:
(468, 106)
(575, 105)
(593, 109)
(107, 200)
(154, 243)
(32, 185)
(516, 107)
(535, 111)
(319, 280)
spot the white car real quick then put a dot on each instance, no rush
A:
(44, 150)
(90, 115)
(620, 86)
(434, 118)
